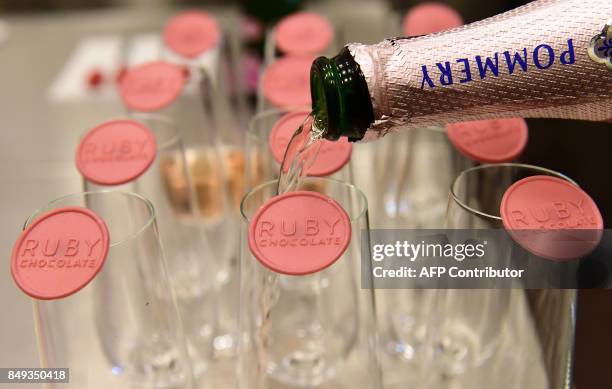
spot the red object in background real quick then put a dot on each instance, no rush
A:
(94, 78)
(186, 72)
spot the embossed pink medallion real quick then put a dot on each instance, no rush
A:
(152, 86)
(286, 82)
(299, 233)
(303, 33)
(551, 217)
(116, 152)
(59, 253)
(489, 141)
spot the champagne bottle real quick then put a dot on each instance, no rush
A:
(547, 59)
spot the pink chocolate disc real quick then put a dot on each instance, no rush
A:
(191, 33)
(59, 253)
(332, 156)
(303, 33)
(427, 18)
(116, 152)
(551, 217)
(286, 82)
(152, 86)
(299, 233)
(489, 141)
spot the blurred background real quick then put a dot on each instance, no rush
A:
(43, 111)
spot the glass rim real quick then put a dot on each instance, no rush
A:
(175, 136)
(472, 169)
(135, 115)
(362, 211)
(48, 207)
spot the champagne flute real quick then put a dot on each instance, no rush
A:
(308, 330)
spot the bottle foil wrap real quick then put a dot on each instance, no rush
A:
(557, 49)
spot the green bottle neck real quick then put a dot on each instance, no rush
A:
(341, 102)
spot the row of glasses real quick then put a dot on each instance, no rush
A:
(418, 164)
(214, 107)
(190, 196)
(418, 199)
(316, 330)
(436, 337)
(418, 167)
(410, 192)
(294, 333)
(202, 183)
(459, 329)
(188, 215)
(430, 336)
(176, 193)
(182, 236)
(129, 333)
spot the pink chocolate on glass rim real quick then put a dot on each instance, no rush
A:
(428, 18)
(191, 33)
(551, 218)
(299, 233)
(59, 253)
(489, 141)
(303, 33)
(152, 86)
(332, 156)
(286, 81)
(116, 152)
